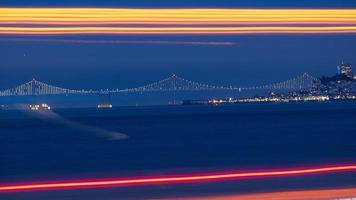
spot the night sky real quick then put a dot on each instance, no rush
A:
(253, 60)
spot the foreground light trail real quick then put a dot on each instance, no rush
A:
(339, 193)
(119, 21)
(174, 179)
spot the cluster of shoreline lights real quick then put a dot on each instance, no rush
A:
(272, 99)
(344, 69)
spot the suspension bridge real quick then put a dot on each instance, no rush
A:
(173, 83)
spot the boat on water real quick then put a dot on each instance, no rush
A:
(43, 106)
(104, 105)
(104, 101)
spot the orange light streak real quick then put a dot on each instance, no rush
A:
(170, 42)
(338, 193)
(172, 30)
(172, 22)
(175, 179)
(160, 21)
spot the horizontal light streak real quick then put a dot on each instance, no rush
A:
(161, 21)
(180, 18)
(180, 13)
(164, 42)
(173, 30)
(174, 179)
(338, 193)
(171, 23)
(175, 10)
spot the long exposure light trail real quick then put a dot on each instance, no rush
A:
(59, 21)
(338, 193)
(172, 30)
(121, 41)
(174, 179)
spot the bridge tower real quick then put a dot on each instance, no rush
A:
(174, 84)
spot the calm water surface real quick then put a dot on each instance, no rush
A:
(73, 143)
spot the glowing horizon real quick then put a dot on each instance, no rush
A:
(121, 21)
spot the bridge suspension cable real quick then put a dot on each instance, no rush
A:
(35, 87)
(172, 83)
(302, 82)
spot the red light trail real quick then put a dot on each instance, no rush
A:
(174, 179)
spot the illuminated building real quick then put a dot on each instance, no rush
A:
(345, 69)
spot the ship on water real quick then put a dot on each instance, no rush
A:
(43, 106)
(104, 101)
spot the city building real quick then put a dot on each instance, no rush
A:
(344, 69)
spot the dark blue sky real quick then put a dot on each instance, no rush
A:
(256, 59)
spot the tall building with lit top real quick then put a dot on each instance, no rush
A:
(344, 69)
